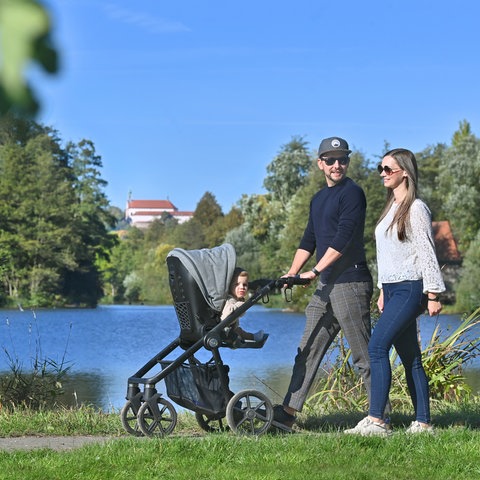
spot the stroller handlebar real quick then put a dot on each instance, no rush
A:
(288, 282)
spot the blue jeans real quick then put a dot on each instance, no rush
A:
(397, 326)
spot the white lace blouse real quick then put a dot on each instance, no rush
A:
(412, 259)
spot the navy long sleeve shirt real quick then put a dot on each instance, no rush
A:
(337, 220)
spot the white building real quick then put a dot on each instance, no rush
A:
(140, 213)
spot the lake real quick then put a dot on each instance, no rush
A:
(107, 345)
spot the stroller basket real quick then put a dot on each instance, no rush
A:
(197, 387)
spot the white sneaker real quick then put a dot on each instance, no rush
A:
(367, 427)
(417, 427)
(258, 336)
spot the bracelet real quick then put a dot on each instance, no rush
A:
(434, 299)
(315, 271)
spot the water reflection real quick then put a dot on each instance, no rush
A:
(105, 346)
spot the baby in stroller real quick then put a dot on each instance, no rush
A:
(199, 281)
(237, 293)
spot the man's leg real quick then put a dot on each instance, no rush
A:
(321, 328)
(351, 307)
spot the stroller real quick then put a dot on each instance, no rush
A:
(199, 282)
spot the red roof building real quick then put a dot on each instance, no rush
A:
(445, 243)
(141, 213)
(448, 256)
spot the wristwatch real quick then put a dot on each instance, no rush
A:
(315, 271)
(434, 299)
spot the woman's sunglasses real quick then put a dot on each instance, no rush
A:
(388, 171)
(331, 161)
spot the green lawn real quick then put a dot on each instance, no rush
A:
(318, 449)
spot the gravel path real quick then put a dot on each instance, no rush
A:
(53, 443)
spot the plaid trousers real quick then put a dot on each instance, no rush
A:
(332, 307)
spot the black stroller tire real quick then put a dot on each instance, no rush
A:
(249, 412)
(128, 415)
(209, 424)
(157, 417)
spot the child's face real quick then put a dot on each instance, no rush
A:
(240, 288)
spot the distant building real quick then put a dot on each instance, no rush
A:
(141, 213)
(448, 257)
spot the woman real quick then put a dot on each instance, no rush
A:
(410, 280)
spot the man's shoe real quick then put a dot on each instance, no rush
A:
(417, 427)
(282, 420)
(367, 427)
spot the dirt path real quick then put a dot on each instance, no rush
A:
(53, 443)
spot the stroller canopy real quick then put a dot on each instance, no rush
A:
(212, 270)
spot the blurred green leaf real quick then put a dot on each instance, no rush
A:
(24, 39)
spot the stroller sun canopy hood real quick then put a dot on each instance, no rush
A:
(212, 269)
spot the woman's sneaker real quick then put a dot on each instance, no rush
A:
(367, 427)
(417, 427)
(282, 419)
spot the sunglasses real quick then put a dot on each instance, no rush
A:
(331, 161)
(388, 171)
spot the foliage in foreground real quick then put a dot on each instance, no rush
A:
(443, 359)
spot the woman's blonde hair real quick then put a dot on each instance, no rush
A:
(408, 163)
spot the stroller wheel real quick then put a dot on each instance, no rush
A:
(157, 417)
(249, 412)
(209, 424)
(128, 415)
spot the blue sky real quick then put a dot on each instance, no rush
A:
(187, 96)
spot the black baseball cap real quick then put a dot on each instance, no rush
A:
(333, 145)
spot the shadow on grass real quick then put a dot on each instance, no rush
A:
(444, 416)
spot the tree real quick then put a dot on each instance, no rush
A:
(91, 219)
(467, 292)
(55, 216)
(288, 170)
(464, 132)
(459, 173)
(247, 250)
(429, 161)
(297, 216)
(203, 224)
(208, 210)
(36, 228)
(125, 257)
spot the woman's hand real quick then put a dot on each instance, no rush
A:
(380, 301)
(434, 308)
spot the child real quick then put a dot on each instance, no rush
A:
(238, 291)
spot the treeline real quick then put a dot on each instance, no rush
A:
(265, 228)
(55, 218)
(57, 244)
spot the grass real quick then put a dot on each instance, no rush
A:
(318, 449)
(449, 455)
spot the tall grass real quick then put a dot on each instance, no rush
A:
(341, 388)
(37, 386)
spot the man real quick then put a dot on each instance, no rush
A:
(342, 299)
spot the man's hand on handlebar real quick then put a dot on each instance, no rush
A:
(302, 279)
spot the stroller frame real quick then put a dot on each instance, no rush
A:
(198, 308)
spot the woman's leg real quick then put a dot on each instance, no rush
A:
(408, 349)
(402, 302)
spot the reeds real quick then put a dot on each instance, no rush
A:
(340, 387)
(37, 386)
